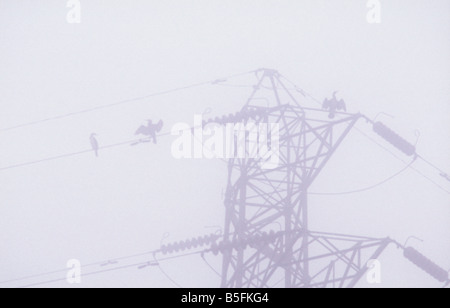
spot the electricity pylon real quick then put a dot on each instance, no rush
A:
(262, 197)
(259, 200)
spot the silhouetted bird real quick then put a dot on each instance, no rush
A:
(150, 129)
(94, 143)
(334, 105)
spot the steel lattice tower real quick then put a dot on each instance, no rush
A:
(259, 201)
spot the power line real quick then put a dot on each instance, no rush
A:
(301, 90)
(146, 263)
(369, 187)
(210, 266)
(102, 263)
(88, 274)
(165, 274)
(441, 172)
(129, 142)
(88, 110)
(34, 162)
(217, 82)
(430, 180)
(136, 265)
(384, 148)
(110, 261)
(398, 158)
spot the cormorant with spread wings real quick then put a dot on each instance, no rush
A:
(334, 105)
(150, 129)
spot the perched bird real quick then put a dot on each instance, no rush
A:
(334, 105)
(150, 129)
(94, 143)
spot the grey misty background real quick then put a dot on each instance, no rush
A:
(122, 203)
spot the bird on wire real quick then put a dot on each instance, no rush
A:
(150, 131)
(334, 105)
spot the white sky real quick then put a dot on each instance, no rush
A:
(122, 203)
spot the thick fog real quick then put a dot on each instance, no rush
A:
(58, 63)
